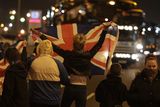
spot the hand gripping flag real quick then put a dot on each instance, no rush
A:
(62, 35)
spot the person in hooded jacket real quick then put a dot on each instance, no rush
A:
(111, 92)
(15, 92)
(46, 75)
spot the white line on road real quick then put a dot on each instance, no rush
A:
(90, 96)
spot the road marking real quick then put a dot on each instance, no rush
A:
(90, 96)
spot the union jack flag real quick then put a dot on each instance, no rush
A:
(62, 35)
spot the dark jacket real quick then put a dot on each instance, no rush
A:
(111, 92)
(144, 93)
(15, 92)
(78, 63)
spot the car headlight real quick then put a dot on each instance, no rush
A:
(135, 57)
(139, 46)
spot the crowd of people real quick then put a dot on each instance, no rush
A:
(36, 81)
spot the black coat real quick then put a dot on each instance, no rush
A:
(111, 92)
(144, 93)
(15, 87)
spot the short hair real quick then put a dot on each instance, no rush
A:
(151, 57)
(115, 69)
(12, 55)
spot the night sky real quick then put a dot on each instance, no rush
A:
(151, 7)
(26, 5)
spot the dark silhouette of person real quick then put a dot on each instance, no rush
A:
(144, 90)
(111, 92)
(15, 93)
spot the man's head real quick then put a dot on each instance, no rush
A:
(12, 55)
(44, 47)
(151, 63)
(115, 69)
(78, 42)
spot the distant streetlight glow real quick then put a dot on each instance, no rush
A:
(5, 29)
(22, 31)
(106, 19)
(56, 10)
(22, 19)
(149, 29)
(10, 25)
(112, 2)
(53, 8)
(44, 18)
(28, 14)
(2, 25)
(13, 12)
(62, 11)
(12, 17)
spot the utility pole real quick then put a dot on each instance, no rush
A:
(18, 16)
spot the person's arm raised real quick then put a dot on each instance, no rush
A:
(98, 45)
